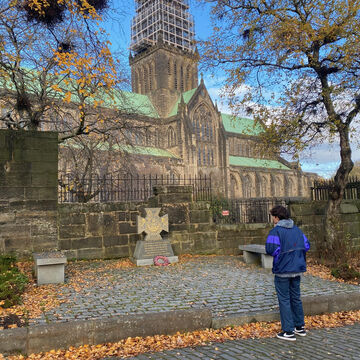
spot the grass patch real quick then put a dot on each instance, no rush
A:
(12, 281)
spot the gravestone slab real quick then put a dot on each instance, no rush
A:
(153, 244)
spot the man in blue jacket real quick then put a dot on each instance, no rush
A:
(288, 245)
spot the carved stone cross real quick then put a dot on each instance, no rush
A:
(153, 244)
(152, 224)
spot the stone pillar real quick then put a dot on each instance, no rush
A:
(28, 191)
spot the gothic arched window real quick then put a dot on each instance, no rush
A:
(203, 137)
(247, 185)
(175, 77)
(263, 186)
(278, 186)
(203, 120)
(289, 186)
(198, 129)
(157, 139)
(136, 81)
(169, 68)
(182, 78)
(148, 138)
(140, 83)
(171, 137)
(207, 132)
(233, 187)
(188, 83)
(146, 80)
(150, 77)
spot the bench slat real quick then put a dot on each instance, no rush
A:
(253, 248)
(255, 252)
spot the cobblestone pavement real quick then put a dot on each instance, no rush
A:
(329, 344)
(223, 283)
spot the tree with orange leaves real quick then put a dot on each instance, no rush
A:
(57, 73)
(55, 61)
(296, 63)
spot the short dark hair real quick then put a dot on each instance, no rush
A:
(280, 211)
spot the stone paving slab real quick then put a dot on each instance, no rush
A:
(322, 344)
(222, 283)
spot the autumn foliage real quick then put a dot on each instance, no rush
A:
(52, 12)
(56, 64)
(12, 281)
(138, 345)
(295, 66)
(37, 299)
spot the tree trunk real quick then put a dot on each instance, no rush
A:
(333, 227)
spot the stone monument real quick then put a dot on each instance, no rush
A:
(49, 267)
(153, 244)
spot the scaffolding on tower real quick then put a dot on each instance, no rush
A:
(169, 19)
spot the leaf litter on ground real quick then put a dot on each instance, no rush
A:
(38, 299)
(138, 345)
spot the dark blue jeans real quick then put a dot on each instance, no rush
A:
(291, 309)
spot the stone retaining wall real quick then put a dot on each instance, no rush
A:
(88, 231)
(32, 221)
(310, 216)
(96, 231)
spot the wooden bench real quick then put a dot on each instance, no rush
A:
(254, 253)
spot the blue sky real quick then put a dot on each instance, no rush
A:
(323, 159)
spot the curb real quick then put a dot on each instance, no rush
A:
(313, 305)
(62, 335)
(38, 338)
(250, 317)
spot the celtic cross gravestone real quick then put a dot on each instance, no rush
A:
(153, 244)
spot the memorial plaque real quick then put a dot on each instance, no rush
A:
(154, 248)
(153, 244)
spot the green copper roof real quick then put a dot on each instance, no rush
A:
(238, 125)
(134, 103)
(135, 150)
(147, 150)
(123, 101)
(186, 96)
(251, 162)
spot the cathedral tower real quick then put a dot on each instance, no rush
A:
(163, 58)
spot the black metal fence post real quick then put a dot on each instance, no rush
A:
(320, 190)
(131, 188)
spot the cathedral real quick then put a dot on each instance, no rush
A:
(190, 136)
(173, 127)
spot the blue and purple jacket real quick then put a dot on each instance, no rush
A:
(288, 245)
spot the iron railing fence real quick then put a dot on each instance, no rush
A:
(321, 189)
(129, 189)
(246, 211)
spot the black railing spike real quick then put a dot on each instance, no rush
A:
(320, 191)
(132, 188)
